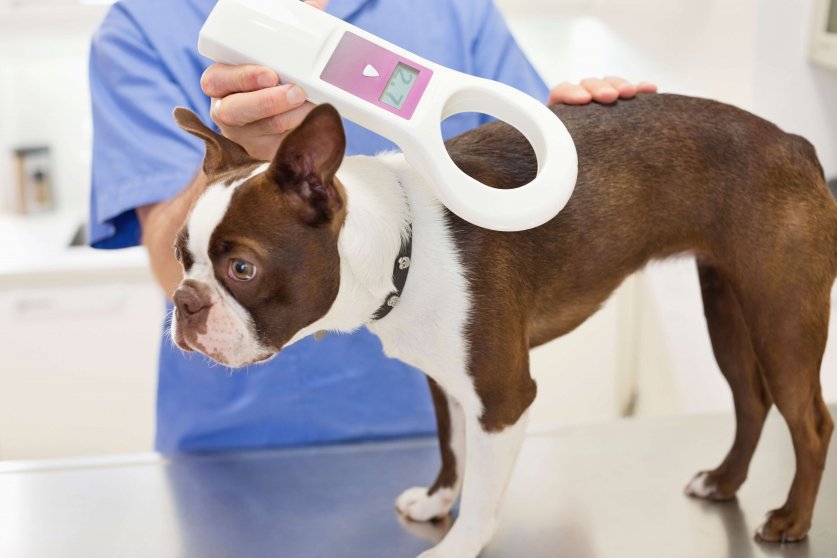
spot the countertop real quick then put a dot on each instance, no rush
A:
(611, 490)
(37, 252)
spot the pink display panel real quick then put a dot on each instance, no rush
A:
(377, 75)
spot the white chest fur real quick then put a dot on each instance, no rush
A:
(426, 330)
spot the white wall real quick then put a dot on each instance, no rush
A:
(6, 178)
(44, 92)
(798, 96)
(79, 360)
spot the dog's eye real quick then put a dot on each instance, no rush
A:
(241, 270)
(177, 253)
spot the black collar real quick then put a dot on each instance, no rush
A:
(400, 270)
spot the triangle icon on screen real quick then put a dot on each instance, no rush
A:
(371, 71)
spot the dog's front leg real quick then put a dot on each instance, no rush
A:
(489, 460)
(436, 501)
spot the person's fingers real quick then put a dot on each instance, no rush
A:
(601, 90)
(570, 94)
(261, 139)
(321, 4)
(261, 148)
(241, 109)
(280, 124)
(646, 87)
(626, 89)
(221, 80)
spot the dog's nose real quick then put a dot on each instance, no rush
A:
(188, 302)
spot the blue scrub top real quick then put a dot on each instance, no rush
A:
(143, 63)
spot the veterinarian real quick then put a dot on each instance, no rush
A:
(146, 174)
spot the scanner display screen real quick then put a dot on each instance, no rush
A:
(399, 86)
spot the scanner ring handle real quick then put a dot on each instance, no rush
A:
(526, 207)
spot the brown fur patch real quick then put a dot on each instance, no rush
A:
(447, 473)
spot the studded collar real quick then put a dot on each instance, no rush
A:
(400, 270)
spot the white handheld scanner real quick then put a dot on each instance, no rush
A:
(402, 97)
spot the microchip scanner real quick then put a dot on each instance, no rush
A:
(402, 97)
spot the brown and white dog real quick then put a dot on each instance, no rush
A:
(273, 252)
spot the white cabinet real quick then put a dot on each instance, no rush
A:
(79, 365)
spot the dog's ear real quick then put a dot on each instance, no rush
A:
(306, 162)
(222, 154)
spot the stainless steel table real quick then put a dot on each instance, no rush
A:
(603, 491)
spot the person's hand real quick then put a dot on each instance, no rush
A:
(607, 90)
(252, 107)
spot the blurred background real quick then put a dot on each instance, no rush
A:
(69, 314)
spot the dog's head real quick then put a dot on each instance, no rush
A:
(259, 248)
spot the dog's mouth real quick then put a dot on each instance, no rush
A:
(180, 340)
(262, 358)
(188, 342)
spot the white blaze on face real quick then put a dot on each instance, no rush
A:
(230, 336)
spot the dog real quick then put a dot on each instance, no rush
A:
(309, 242)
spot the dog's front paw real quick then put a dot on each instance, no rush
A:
(783, 526)
(416, 504)
(709, 486)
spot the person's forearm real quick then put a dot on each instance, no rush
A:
(160, 224)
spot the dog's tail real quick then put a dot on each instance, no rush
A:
(807, 156)
(808, 152)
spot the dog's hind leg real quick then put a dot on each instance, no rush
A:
(737, 361)
(789, 327)
(425, 504)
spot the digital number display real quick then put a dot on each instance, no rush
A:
(832, 18)
(400, 84)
